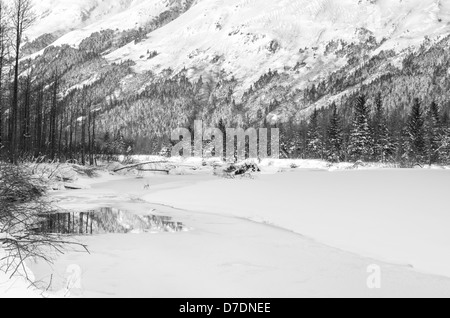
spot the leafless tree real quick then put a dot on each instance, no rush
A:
(22, 18)
(5, 32)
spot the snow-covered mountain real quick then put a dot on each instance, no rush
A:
(83, 17)
(154, 64)
(77, 20)
(245, 38)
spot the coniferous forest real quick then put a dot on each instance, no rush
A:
(373, 134)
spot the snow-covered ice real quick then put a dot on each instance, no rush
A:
(293, 234)
(399, 216)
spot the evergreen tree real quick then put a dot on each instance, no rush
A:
(314, 139)
(444, 150)
(433, 133)
(445, 121)
(287, 139)
(383, 146)
(286, 143)
(223, 129)
(297, 141)
(360, 143)
(335, 137)
(415, 148)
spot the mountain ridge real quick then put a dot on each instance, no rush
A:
(247, 38)
(247, 62)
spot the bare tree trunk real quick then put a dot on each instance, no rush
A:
(93, 138)
(83, 140)
(53, 124)
(38, 126)
(60, 138)
(3, 37)
(71, 123)
(89, 136)
(23, 18)
(83, 132)
(26, 119)
(75, 133)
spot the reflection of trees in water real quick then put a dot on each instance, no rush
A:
(105, 220)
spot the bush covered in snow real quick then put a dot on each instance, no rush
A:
(245, 169)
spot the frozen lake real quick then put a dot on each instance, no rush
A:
(294, 234)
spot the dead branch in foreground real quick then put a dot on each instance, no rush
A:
(21, 208)
(139, 164)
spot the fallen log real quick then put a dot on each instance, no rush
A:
(139, 164)
(156, 170)
(74, 186)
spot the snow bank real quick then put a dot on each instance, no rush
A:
(266, 165)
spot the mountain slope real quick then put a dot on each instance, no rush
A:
(83, 17)
(246, 38)
(153, 65)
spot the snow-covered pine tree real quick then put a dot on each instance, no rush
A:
(383, 145)
(433, 133)
(415, 147)
(314, 139)
(287, 141)
(360, 143)
(444, 150)
(335, 138)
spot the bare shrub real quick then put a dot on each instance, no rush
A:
(88, 171)
(21, 206)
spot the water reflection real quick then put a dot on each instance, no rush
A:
(105, 220)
